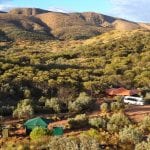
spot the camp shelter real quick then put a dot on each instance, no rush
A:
(57, 128)
(57, 131)
(36, 122)
(121, 92)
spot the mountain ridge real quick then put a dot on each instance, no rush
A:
(39, 24)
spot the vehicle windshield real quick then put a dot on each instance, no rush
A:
(134, 99)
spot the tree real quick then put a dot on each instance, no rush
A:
(24, 109)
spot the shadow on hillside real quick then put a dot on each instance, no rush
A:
(46, 67)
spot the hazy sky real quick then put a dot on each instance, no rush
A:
(136, 10)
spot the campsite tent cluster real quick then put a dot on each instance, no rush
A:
(121, 92)
(36, 122)
(41, 122)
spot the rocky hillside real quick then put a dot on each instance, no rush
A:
(32, 23)
(28, 11)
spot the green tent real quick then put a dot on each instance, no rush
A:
(58, 131)
(36, 122)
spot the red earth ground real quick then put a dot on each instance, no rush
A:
(137, 113)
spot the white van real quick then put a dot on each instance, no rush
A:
(133, 100)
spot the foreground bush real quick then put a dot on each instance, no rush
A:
(98, 122)
(88, 143)
(117, 122)
(131, 135)
(143, 146)
(145, 124)
(38, 133)
(83, 142)
(15, 146)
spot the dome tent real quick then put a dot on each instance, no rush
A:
(36, 122)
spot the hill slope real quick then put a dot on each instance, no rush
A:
(23, 27)
(114, 59)
(33, 23)
(28, 11)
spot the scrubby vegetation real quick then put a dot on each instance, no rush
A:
(34, 70)
(66, 78)
(128, 135)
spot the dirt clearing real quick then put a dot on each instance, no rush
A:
(137, 113)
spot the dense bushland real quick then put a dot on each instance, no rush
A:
(39, 71)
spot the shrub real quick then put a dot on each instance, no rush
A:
(116, 106)
(88, 143)
(92, 133)
(145, 124)
(54, 104)
(147, 98)
(130, 134)
(42, 101)
(117, 122)
(83, 142)
(143, 146)
(13, 146)
(38, 133)
(104, 107)
(118, 98)
(27, 93)
(68, 143)
(75, 107)
(24, 109)
(78, 122)
(98, 122)
(81, 103)
(102, 136)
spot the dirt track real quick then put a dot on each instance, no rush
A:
(137, 113)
